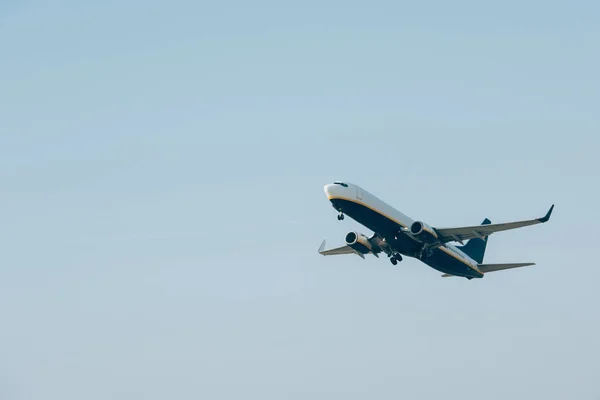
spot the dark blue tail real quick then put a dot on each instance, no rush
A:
(475, 248)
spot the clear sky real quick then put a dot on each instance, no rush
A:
(162, 168)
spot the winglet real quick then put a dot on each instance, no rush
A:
(322, 246)
(547, 216)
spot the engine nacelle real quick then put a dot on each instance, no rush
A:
(359, 242)
(423, 232)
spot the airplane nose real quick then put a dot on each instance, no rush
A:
(333, 190)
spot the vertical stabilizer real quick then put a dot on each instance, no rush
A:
(475, 248)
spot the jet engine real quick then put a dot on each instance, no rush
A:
(359, 242)
(423, 232)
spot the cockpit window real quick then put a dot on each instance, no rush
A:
(340, 183)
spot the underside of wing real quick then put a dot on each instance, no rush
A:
(339, 250)
(464, 233)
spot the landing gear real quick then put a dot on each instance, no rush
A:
(395, 259)
(340, 217)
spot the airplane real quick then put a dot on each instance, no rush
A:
(397, 235)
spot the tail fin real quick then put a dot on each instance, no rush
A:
(475, 248)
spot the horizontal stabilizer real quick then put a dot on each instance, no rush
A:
(485, 268)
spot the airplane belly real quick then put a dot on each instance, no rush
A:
(443, 262)
(379, 224)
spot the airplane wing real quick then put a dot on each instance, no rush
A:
(339, 250)
(463, 233)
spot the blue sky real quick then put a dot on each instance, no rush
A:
(162, 169)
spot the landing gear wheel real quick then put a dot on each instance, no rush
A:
(393, 261)
(340, 217)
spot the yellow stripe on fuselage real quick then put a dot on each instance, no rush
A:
(444, 249)
(450, 253)
(433, 233)
(369, 207)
